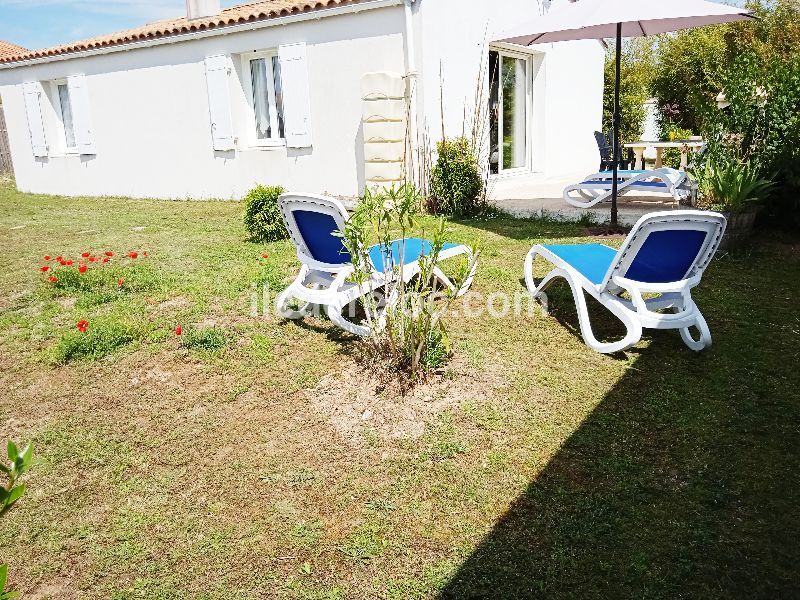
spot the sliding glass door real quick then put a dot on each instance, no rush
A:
(508, 111)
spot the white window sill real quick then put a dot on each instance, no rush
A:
(64, 154)
(266, 146)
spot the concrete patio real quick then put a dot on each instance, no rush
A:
(530, 195)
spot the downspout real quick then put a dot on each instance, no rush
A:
(411, 87)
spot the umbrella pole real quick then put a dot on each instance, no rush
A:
(616, 150)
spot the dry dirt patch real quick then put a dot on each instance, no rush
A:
(357, 404)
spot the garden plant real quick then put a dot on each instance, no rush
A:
(408, 333)
(10, 493)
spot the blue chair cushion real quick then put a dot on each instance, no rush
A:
(317, 230)
(590, 260)
(666, 256)
(412, 250)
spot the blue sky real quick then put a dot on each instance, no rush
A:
(37, 24)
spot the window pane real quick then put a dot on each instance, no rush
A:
(276, 73)
(258, 75)
(66, 115)
(515, 99)
(494, 112)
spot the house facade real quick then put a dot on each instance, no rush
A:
(208, 105)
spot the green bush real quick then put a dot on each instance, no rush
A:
(756, 64)
(456, 180)
(262, 215)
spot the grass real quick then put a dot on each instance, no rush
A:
(215, 465)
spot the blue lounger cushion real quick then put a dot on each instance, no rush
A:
(318, 230)
(590, 260)
(412, 249)
(658, 184)
(666, 256)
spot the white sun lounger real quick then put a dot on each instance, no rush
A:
(323, 279)
(596, 188)
(666, 254)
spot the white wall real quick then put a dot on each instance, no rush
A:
(567, 82)
(150, 106)
(151, 122)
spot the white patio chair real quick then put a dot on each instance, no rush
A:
(326, 268)
(596, 188)
(666, 254)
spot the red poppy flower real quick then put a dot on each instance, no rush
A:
(265, 256)
(82, 269)
(59, 258)
(178, 330)
(44, 269)
(47, 257)
(92, 259)
(109, 253)
(69, 263)
(105, 259)
(53, 279)
(83, 325)
(85, 255)
(145, 253)
(133, 254)
(61, 261)
(120, 281)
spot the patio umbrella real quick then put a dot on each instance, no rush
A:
(599, 19)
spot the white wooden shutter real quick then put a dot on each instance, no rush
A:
(32, 91)
(218, 70)
(81, 114)
(296, 98)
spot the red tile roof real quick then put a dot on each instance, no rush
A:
(235, 15)
(7, 50)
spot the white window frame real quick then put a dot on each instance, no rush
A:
(247, 82)
(529, 133)
(60, 127)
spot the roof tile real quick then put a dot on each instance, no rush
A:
(235, 15)
(7, 49)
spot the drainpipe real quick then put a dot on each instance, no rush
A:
(411, 86)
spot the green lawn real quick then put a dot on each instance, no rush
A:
(253, 458)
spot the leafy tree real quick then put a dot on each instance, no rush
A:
(635, 76)
(688, 76)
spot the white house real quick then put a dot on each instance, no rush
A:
(207, 105)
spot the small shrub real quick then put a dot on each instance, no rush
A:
(407, 338)
(206, 339)
(456, 181)
(731, 186)
(262, 215)
(91, 341)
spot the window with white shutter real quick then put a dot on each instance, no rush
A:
(81, 119)
(32, 92)
(296, 98)
(261, 82)
(218, 69)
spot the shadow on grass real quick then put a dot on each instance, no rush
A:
(683, 481)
